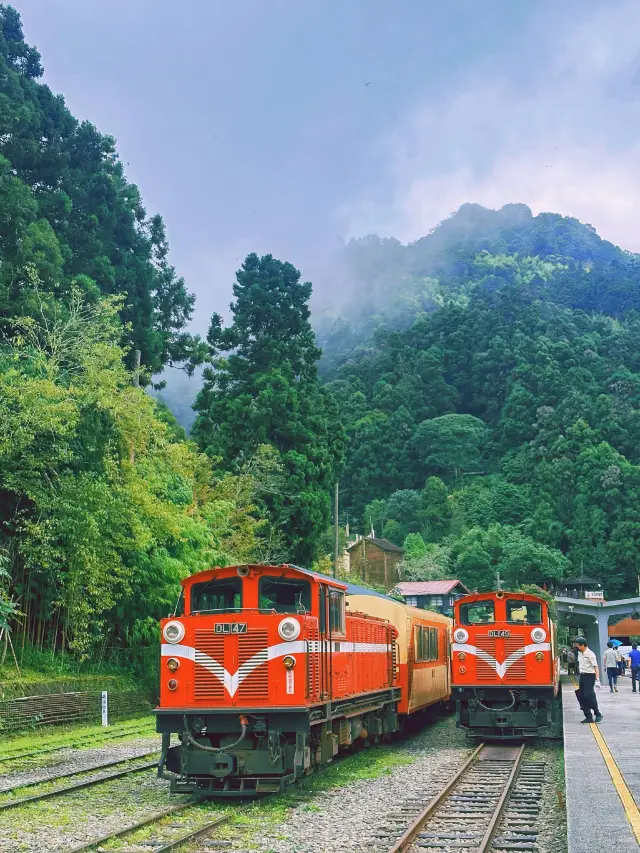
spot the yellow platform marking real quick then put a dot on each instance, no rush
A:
(628, 803)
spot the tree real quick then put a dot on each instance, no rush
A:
(70, 217)
(450, 445)
(266, 391)
(414, 547)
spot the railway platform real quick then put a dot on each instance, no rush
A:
(602, 771)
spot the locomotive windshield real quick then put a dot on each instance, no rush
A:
(284, 595)
(525, 612)
(477, 613)
(220, 596)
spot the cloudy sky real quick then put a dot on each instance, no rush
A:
(286, 126)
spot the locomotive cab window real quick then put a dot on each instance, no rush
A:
(284, 595)
(477, 613)
(219, 596)
(524, 612)
(337, 620)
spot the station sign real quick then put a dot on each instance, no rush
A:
(595, 594)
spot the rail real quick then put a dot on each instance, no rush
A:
(469, 809)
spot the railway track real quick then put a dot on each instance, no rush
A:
(75, 786)
(490, 804)
(168, 836)
(89, 740)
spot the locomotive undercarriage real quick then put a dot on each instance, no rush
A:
(244, 753)
(508, 713)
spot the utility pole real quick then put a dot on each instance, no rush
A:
(136, 368)
(498, 581)
(336, 529)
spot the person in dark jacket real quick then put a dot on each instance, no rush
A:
(589, 677)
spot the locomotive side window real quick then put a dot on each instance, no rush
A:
(220, 596)
(284, 595)
(477, 613)
(525, 612)
(426, 644)
(337, 621)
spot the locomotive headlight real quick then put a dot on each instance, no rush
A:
(289, 629)
(538, 635)
(173, 664)
(462, 656)
(462, 670)
(460, 635)
(172, 684)
(173, 632)
(288, 662)
(539, 656)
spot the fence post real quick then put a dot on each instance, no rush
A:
(105, 708)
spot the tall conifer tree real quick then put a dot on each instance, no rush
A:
(262, 388)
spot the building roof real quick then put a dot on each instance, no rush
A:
(626, 628)
(583, 580)
(383, 544)
(428, 587)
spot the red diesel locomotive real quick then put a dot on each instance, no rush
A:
(267, 671)
(505, 666)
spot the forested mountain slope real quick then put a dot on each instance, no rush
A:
(501, 422)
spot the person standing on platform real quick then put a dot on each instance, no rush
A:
(620, 661)
(609, 659)
(571, 662)
(589, 677)
(634, 657)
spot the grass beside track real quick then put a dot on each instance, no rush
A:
(68, 736)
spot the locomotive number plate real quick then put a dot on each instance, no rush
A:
(230, 628)
(499, 633)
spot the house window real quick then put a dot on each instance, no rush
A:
(412, 600)
(436, 601)
(426, 644)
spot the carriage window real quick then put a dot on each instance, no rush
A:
(337, 622)
(220, 596)
(477, 613)
(284, 595)
(526, 612)
(426, 644)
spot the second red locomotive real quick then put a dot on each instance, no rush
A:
(505, 666)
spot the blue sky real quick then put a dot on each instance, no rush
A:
(286, 126)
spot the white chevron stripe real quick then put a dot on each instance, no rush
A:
(233, 682)
(501, 668)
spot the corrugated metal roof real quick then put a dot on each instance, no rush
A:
(383, 544)
(428, 587)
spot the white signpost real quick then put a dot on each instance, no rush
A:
(598, 594)
(105, 708)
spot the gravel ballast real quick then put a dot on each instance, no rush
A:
(348, 818)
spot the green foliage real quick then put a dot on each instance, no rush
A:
(103, 508)
(513, 403)
(414, 547)
(70, 217)
(266, 391)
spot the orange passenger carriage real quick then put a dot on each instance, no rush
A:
(505, 666)
(263, 675)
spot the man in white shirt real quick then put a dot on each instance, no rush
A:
(586, 694)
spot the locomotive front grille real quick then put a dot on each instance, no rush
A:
(518, 669)
(484, 670)
(206, 684)
(253, 647)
